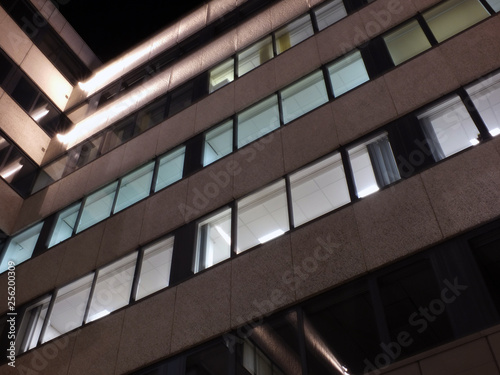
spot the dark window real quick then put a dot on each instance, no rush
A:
(25, 94)
(413, 307)
(341, 325)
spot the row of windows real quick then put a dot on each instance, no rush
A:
(156, 112)
(250, 58)
(430, 298)
(459, 121)
(46, 39)
(379, 55)
(97, 207)
(29, 97)
(96, 295)
(416, 304)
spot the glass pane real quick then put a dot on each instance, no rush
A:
(97, 207)
(135, 186)
(16, 169)
(155, 269)
(449, 128)
(271, 348)
(406, 42)
(120, 133)
(340, 330)
(181, 98)
(5, 68)
(453, 16)
(213, 244)
(210, 360)
(221, 75)
(254, 56)
(318, 189)
(69, 308)
(330, 13)
(303, 96)
(486, 98)
(65, 225)
(495, 4)
(401, 291)
(257, 121)
(170, 168)
(20, 247)
(218, 143)
(262, 216)
(31, 326)
(151, 115)
(113, 287)
(293, 33)
(373, 165)
(25, 94)
(347, 73)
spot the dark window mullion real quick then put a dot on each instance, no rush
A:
(289, 202)
(91, 296)
(349, 176)
(427, 30)
(137, 274)
(47, 317)
(474, 114)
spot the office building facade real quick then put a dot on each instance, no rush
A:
(263, 187)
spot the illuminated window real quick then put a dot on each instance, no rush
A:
(318, 189)
(254, 56)
(213, 243)
(448, 127)
(330, 13)
(406, 42)
(218, 143)
(293, 33)
(69, 308)
(113, 287)
(20, 247)
(347, 73)
(262, 216)
(486, 98)
(373, 165)
(134, 186)
(303, 96)
(258, 120)
(221, 75)
(170, 168)
(453, 16)
(65, 224)
(97, 207)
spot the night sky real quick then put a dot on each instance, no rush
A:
(112, 26)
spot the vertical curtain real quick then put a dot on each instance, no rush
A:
(383, 163)
(430, 135)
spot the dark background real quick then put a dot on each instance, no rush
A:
(111, 27)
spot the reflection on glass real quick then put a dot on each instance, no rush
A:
(69, 308)
(170, 168)
(254, 56)
(406, 41)
(97, 207)
(258, 120)
(330, 13)
(65, 224)
(347, 73)
(134, 187)
(221, 75)
(453, 16)
(318, 189)
(113, 287)
(495, 4)
(448, 127)
(213, 240)
(303, 96)
(20, 247)
(155, 268)
(218, 143)
(293, 33)
(262, 216)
